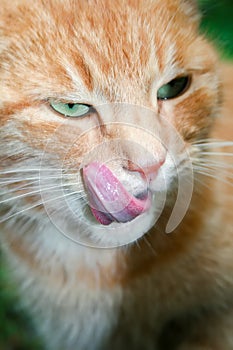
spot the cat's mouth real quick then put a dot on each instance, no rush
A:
(109, 200)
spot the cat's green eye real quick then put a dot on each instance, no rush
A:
(73, 110)
(173, 89)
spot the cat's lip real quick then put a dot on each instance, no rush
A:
(108, 198)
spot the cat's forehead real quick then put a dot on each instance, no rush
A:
(99, 41)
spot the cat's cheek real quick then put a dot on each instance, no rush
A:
(166, 112)
(192, 115)
(61, 139)
(195, 115)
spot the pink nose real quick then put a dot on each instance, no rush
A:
(149, 171)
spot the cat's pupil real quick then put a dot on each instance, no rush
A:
(70, 105)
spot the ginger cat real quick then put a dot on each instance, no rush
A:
(116, 174)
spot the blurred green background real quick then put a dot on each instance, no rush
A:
(15, 329)
(217, 23)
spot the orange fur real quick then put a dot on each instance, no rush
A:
(115, 58)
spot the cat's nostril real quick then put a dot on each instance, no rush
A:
(148, 171)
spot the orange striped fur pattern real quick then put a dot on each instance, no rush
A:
(95, 272)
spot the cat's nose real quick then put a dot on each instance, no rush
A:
(147, 171)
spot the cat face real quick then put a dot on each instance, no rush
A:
(100, 109)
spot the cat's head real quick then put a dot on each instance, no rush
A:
(101, 103)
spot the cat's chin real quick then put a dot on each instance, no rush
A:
(116, 233)
(77, 223)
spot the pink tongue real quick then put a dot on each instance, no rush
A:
(109, 200)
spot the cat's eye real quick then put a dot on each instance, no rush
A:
(174, 88)
(73, 110)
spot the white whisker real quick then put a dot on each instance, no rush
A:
(225, 154)
(21, 187)
(206, 140)
(39, 191)
(214, 168)
(220, 168)
(149, 245)
(203, 183)
(213, 144)
(43, 202)
(213, 163)
(13, 181)
(20, 212)
(39, 170)
(212, 175)
(38, 178)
